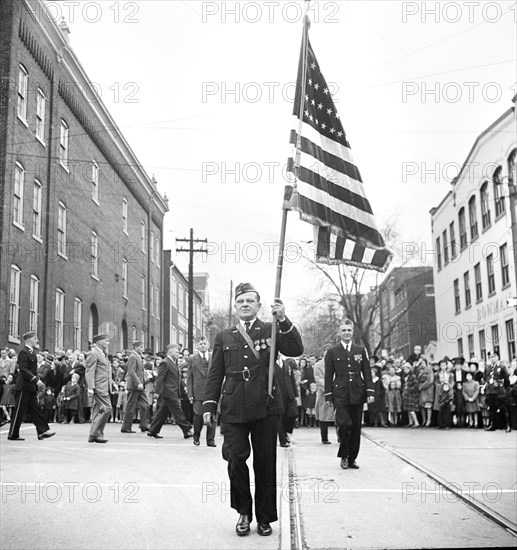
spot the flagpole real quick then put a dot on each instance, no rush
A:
(285, 209)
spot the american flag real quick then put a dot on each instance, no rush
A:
(330, 192)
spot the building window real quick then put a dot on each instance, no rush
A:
(180, 299)
(60, 317)
(512, 167)
(78, 324)
(174, 293)
(470, 341)
(151, 300)
(23, 86)
(505, 268)
(63, 144)
(490, 273)
(36, 209)
(151, 251)
(457, 304)
(479, 287)
(460, 347)
(124, 216)
(400, 296)
(510, 337)
(95, 182)
(143, 287)
(185, 311)
(41, 101)
(157, 302)
(173, 336)
(473, 219)
(429, 290)
(142, 237)
(95, 255)
(158, 252)
(19, 185)
(445, 248)
(499, 203)
(124, 277)
(438, 254)
(34, 303)
(14, 301)
(463, 229)
(482, 345)
(485, 206)
(61, 229)
(495, 339)
(452, 235)
(466, 281)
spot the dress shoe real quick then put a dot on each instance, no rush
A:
(188, 434)
(156, 436)
(353, 465)
(508, 429)
(196, 441)
(45, 435)
(97, 440)
(15, 438)
(243, 525)
(127, 431)
(327, 442)
(344, 463)
(264, 529)
(211, 444)
(144, 429)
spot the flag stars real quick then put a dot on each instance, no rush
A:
(323, 126)
(326, 91)
(320, 105)
(317, 123)
(332, 131)
(329, 111)
(310, 81)
(316, 86)
(313, 102)
(306, 112)
(339, 134)
(306, 97)
(311, 118)
(313, 65)
(337, 115)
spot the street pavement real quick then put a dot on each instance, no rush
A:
(137, 492)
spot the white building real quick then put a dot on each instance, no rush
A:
(474, 266)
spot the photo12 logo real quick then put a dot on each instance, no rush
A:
(456, 12)
(90, 12)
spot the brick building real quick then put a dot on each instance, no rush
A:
(406, 313)
(175, 304)
(80, 221)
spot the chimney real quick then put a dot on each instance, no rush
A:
(65, 30)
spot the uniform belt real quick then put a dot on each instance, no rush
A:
(242, 374)
(352, 374)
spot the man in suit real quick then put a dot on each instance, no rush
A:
(241, 359)
(99, 382)
(26, 387)
(348, 385)
(136, 396)
(198, 366)
(167, 386)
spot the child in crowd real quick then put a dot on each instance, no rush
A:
(411, 395)
(310, 404)
(71, 398)
(459, 404)
(49, 408)
(7, 400)
(470, 397)
(446, 401)
(61, 406)
(485, 413)
(122, 401)
(377, 409)
(394, 396)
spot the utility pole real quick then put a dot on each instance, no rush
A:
(191, 252)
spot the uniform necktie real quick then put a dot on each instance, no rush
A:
(204, 356)
(247, 325)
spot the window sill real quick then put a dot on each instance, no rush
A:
(64, 256)
(13, 339)
(491, 294)
(501, 215)
(23, 121)
(95, 278)
(19, 226)
(479, 301)
(37, 238)
(95, 201)
(486, 228)
(507, 285)
(41, 141)
(125, 232)
(65, 168)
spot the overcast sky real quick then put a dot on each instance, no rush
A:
(200, 89)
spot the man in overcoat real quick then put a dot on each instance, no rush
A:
(136, 396)
(348, 385)
(241, 359)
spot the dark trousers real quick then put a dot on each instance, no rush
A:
(198, 426)
(236, 450)
(136, 398)
(324, 430)
(445, 417)
(348, 420)
(168, 405)
(27, 403)
(80, 404)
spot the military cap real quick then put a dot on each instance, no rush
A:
(137, 343)
(459, 360)
(492, 352)
(243, 288)
(29, 334)
(473, 361)
(99, 337)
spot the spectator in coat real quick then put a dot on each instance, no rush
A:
(470, 396)
(286, 421)
(411, 395)
(425, 379)
(71, 398)
(445, 414)
(324, 415)
(377, 409)
(394, 396)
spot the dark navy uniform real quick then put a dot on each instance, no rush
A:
(348, 382)
(246, 409)
(497, 382)
(26, 394)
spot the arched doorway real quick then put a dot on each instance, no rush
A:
(93, 322)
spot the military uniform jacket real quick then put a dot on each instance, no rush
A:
(244, 394)
(27, 377)
(348, 377)
(98, 372)
(496, 376)
(197, 374)
(135, 371)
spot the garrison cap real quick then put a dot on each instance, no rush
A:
(243, 288)
(29, 334)
(99, 337)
